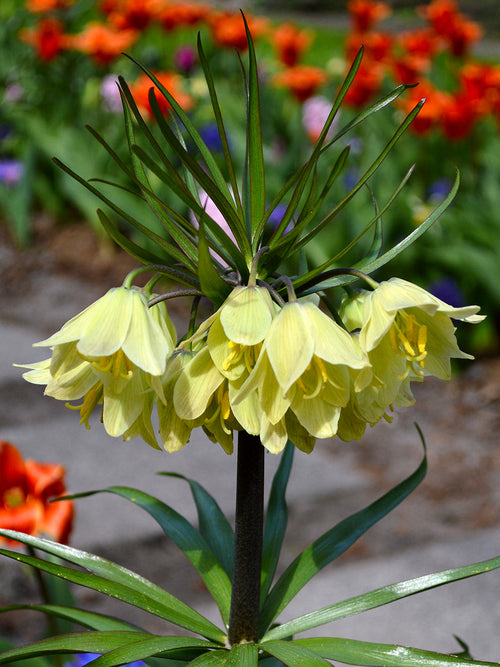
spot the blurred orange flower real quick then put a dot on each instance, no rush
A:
(409, 68)
(228, 30)
(102, 43)
(366, 13)
(39, 6)
(177, 14)
(420, 42)
(47, 38)
(458, 115)
(462, 35)
(302, 81)
(290, 43)
(171, 81)
(26, 488)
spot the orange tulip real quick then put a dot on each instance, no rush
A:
(40, 6)
(103, 44)
(177, 14)
(228, 30)
(132, 14)
(26, 488)
(366, 84)
(172, 82)
(302, 81)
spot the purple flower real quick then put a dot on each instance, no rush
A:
(11, 172)
(210, 135)
(84, 658)
(185, 59)
(448, 291)
(110, 94)
(439, 189)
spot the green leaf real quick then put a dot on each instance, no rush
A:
(380, 597)
(333, 543)
(115, 581)
(364, 178)
(30, 662)
(276, 520)
(87, 619)
(77, 642)
(361, 653)
(243, 655)
(151, 646)
(303, 173)
(220, 126)
(254, 167)
(213, 525)
(314, 276)
(211, 282)
(293, 655)
(216, 658)
(187, 538)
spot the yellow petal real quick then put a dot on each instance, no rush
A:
(246, 315)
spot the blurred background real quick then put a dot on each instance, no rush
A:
(58, 70)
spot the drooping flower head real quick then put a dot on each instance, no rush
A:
(113, 353)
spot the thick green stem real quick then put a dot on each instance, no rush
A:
(245, 599)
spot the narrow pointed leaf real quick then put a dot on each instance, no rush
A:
(77, 642)
(369, 654)
(305, 279)
(115, 581)
(380, 597)
(29, 662)
(212, 284)
(276, 520)
(293, 655)
(255, 156)
(366, 113)
(243, 655)
(151, 646)
(364, 178)
(87, 619)
(304, 172)
(220, 126)
(333, 543)
(187, 538)
(213, 525)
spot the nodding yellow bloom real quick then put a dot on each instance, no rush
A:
(401, 319)
(112, 354)
(304, 367)
(406, 334)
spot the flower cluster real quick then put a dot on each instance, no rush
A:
(26, 489)
(279, 370)
(412, 56)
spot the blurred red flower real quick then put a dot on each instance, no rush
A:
(366, 13)
(430, 114)
(290, 43)
(171, 81)
(376, 45)
(302, 81)
(366, 84)
(26, 488)
(102, 43)
(47, 38)
(132, 14)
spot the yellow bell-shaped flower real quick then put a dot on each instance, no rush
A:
(113, 353)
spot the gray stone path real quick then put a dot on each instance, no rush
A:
(45, 430)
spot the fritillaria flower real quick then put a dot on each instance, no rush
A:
(113, 353)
